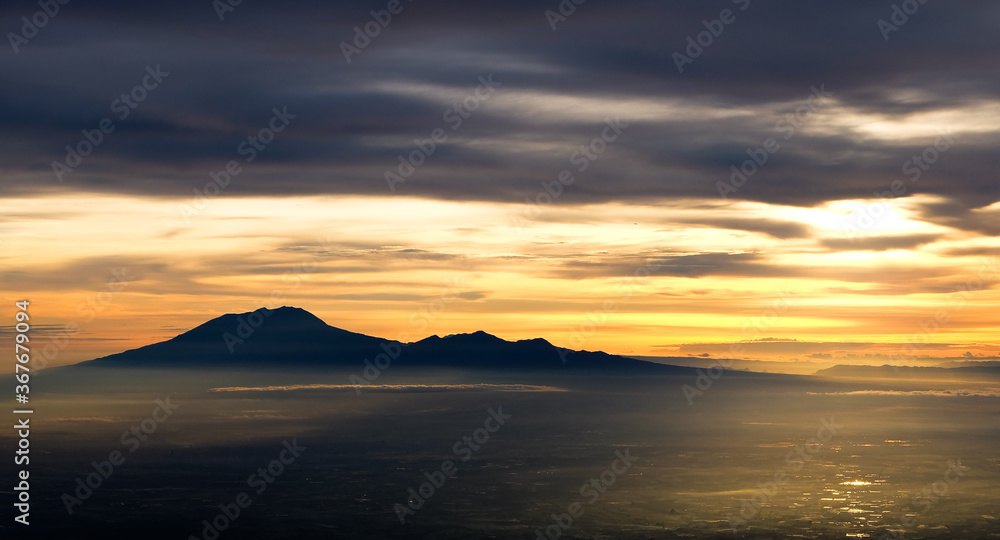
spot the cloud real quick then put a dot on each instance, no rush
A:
(396, 388)
(355, 119)
(879, 243)
(781, 230)
(989, 392)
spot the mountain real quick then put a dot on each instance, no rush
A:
(910, 372)
(281, 336)
(290, 336)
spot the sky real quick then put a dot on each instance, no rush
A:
(810, 182)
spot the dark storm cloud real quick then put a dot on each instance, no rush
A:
(354, 119)
(953, 214)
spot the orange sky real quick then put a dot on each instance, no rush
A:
(651, 279)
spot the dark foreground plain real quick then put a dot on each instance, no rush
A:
(741, 455)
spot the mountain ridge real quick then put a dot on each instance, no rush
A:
(292, 336)
(890, 371)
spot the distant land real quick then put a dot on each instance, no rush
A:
(911, 372)
(738, 364)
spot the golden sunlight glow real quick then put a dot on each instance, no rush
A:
(370, 264)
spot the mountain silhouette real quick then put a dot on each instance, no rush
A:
(917, 372)
(290, 336)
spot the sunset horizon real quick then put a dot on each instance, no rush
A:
(677, 301)
(438, 269)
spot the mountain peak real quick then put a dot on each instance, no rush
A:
(478, 337)
(290, 314)
(285, 317)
